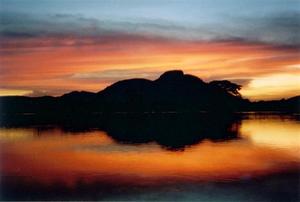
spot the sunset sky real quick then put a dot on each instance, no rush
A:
(50, 47)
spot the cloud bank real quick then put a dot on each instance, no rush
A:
(277, 30)
(48, 53)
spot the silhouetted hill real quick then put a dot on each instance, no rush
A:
(173, 91)
(78, 94)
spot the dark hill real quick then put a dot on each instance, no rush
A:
(173, 91)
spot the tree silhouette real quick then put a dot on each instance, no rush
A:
(228, 86)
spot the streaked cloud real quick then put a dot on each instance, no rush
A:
(281, 30)
(70, 47)
(113, 75)
(12, 92)
(92, 67)
(286, 85)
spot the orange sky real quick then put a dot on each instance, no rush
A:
(56, 65)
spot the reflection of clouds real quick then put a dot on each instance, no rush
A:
(56, 154)
(107, 148)
(16, 134)
(273, 133)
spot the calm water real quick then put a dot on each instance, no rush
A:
(256, 159)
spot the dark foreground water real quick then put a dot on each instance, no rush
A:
(250, 158)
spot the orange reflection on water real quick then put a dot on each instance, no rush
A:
(279, 133)
(55, 155)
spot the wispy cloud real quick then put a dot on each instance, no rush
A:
(113, 75)
(282, 30)
(57, 53)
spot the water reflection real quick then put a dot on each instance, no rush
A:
(174, 132)
(125, 156)
(273, 132)
(171, 131)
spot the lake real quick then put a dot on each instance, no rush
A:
(252, 157)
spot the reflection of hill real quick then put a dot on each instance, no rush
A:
(171, 131)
